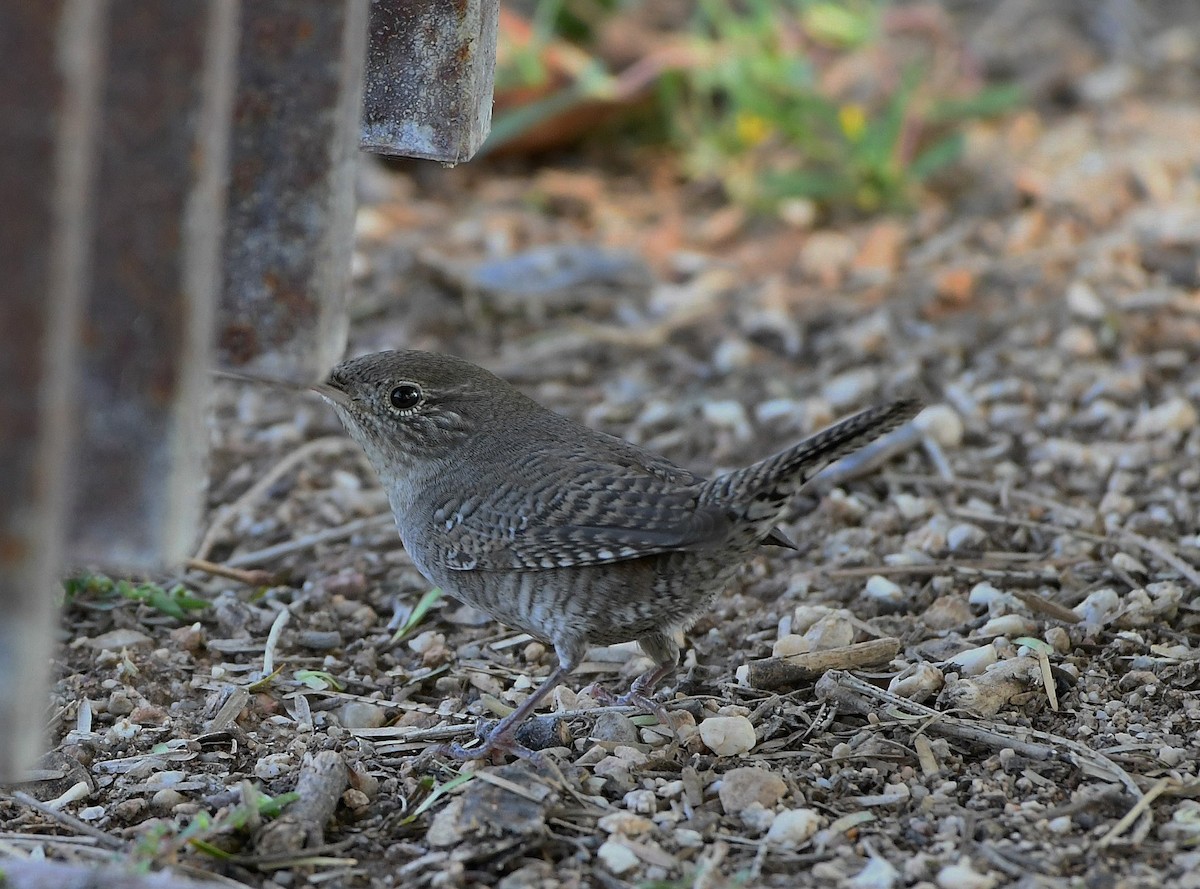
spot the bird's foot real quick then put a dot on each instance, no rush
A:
(631, 698)
(494, 745)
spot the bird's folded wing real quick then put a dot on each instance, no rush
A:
(604, 523)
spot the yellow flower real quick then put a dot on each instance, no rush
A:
(853, 119)
(751, 129)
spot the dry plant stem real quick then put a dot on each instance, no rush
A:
(861, 697)
(69, 821)
(323, 779)
(250, 578)
(331, 444)
(786, 672)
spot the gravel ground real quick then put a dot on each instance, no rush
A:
(1015, 589)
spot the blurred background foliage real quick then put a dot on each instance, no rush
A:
(789, 106)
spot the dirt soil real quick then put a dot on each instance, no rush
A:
(1030, 560)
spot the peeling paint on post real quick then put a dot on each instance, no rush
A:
(148, 322)
(290, 229)
(48, 92)
(430, 73)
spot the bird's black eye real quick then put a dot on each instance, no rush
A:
(405, 397)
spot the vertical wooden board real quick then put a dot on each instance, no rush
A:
(146, 341)
(291, 205)
(48, 91)
(430, 75)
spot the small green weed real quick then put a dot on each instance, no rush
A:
(765, 115)
(163, 843)
(175, 602)
(417, 614)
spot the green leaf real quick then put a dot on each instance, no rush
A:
(441, 790)
(940, 154)
(319, 680)
(988, 102)
(417, 614)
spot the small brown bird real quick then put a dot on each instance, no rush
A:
(572, 535)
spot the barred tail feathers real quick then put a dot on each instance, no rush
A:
(760, 491)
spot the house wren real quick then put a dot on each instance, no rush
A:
(572, 535)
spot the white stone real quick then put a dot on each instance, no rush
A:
(917, 682)
(757, 817)
(963, 876)
(878, 874)
(744, 787)
(1009, 625)
(973, 661)
(792, 827)
(617, 857)
(881, 589)
(983, 593)
(965, 535)
(832, 631)
(1083, 302)
(1099, 607)
(942, 424)
(728, 735)
(786, 646)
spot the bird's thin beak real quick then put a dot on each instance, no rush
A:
(326, 390)
(331, 394)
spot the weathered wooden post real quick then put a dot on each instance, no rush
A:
(117, 265)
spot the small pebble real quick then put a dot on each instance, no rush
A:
(1083, 302)
(946, 613)
(625, 823)
(361, 714)
(274, 765)
(964, 535)
(742, 787)
(642, 801)
(1059, 639)
(973, 661)
(831, 631)
(883, 590)
(1060, 825)
(617, 857)
(942, 424)
(878, 874)
(1099, 607)
(983, 593)
(1010, 625)
(786, 646)
(757, 817)
(963, 876)
(917, 682)
(792, 827)
(616, 728)
(166, 799)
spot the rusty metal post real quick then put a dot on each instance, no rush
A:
(291, 205)
(430, 72)
(146, 345)
(48, 91)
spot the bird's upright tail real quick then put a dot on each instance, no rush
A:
(759, 493)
